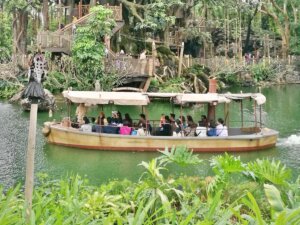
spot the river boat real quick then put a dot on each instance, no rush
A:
(251, 138)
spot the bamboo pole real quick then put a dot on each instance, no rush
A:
(180, 59)
(29, 182)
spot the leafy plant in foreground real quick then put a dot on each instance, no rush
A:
(180, 155)
(270, 171)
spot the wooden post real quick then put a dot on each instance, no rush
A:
(211, 110)
(180, 59)
(226, 114)
(80, 9)
(154, 54)
(242, 114)
(59, 13)
(29, 182)
(255, 116)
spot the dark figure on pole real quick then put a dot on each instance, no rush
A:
(37, 73)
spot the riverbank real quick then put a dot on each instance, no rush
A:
(227, 71)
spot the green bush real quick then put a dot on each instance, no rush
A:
(228, 78)
(157, 199)
(261, 72)
(7, 90)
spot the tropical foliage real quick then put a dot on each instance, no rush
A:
(157, 199)
(88, 50)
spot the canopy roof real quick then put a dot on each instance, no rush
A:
(103, 98)
(137, 98)
(258, 97)
(162, 95)
(201, 98)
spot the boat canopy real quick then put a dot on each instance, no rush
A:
(201, 98)
(258, 97)
(138, 98)
(162, 95)
(103, 98)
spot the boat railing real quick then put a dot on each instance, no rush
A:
(246, 123)
(153, 128)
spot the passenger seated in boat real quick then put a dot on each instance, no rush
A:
(101, 120)
(93, 124)
(221, 129)
(166, 129)
(74, 123)
(162, 120)
(125, 130)
(141, 131)
(191, 127)
(86, 127)
(142, 121)
(119, 119)
(116, 117)
(173, 123)
(127, 121)
(179, 126)
(183, 122)
(201, 131)
(111, 128)
(211, 131)
(203, 122)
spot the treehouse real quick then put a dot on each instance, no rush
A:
(60, 41)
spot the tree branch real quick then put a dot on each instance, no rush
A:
(132, 7)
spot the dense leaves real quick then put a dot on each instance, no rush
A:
(156, 199)
(88, 50)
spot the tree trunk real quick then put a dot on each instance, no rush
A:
(20, 23)
(249, 27)
(71, 3)
(93, 3)
(167, 36)
(45, 11)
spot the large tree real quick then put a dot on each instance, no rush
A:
(20, 11)
(153, 15)
(278, 11)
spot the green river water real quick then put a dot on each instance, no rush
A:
(281, 112)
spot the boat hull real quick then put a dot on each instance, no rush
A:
(71, 137)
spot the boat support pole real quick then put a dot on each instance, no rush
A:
(242, 113)
(147, 119)
(29, 182)
(255, 117)
(260, 115)
(69, 111)
(181, 119)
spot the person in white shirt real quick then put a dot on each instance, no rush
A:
(86, 127)
(221, 129)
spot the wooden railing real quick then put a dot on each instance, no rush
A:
(82, 10)
(54, 42)
(62, 38)
(117, 11)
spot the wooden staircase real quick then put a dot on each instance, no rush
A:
(60, 41)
